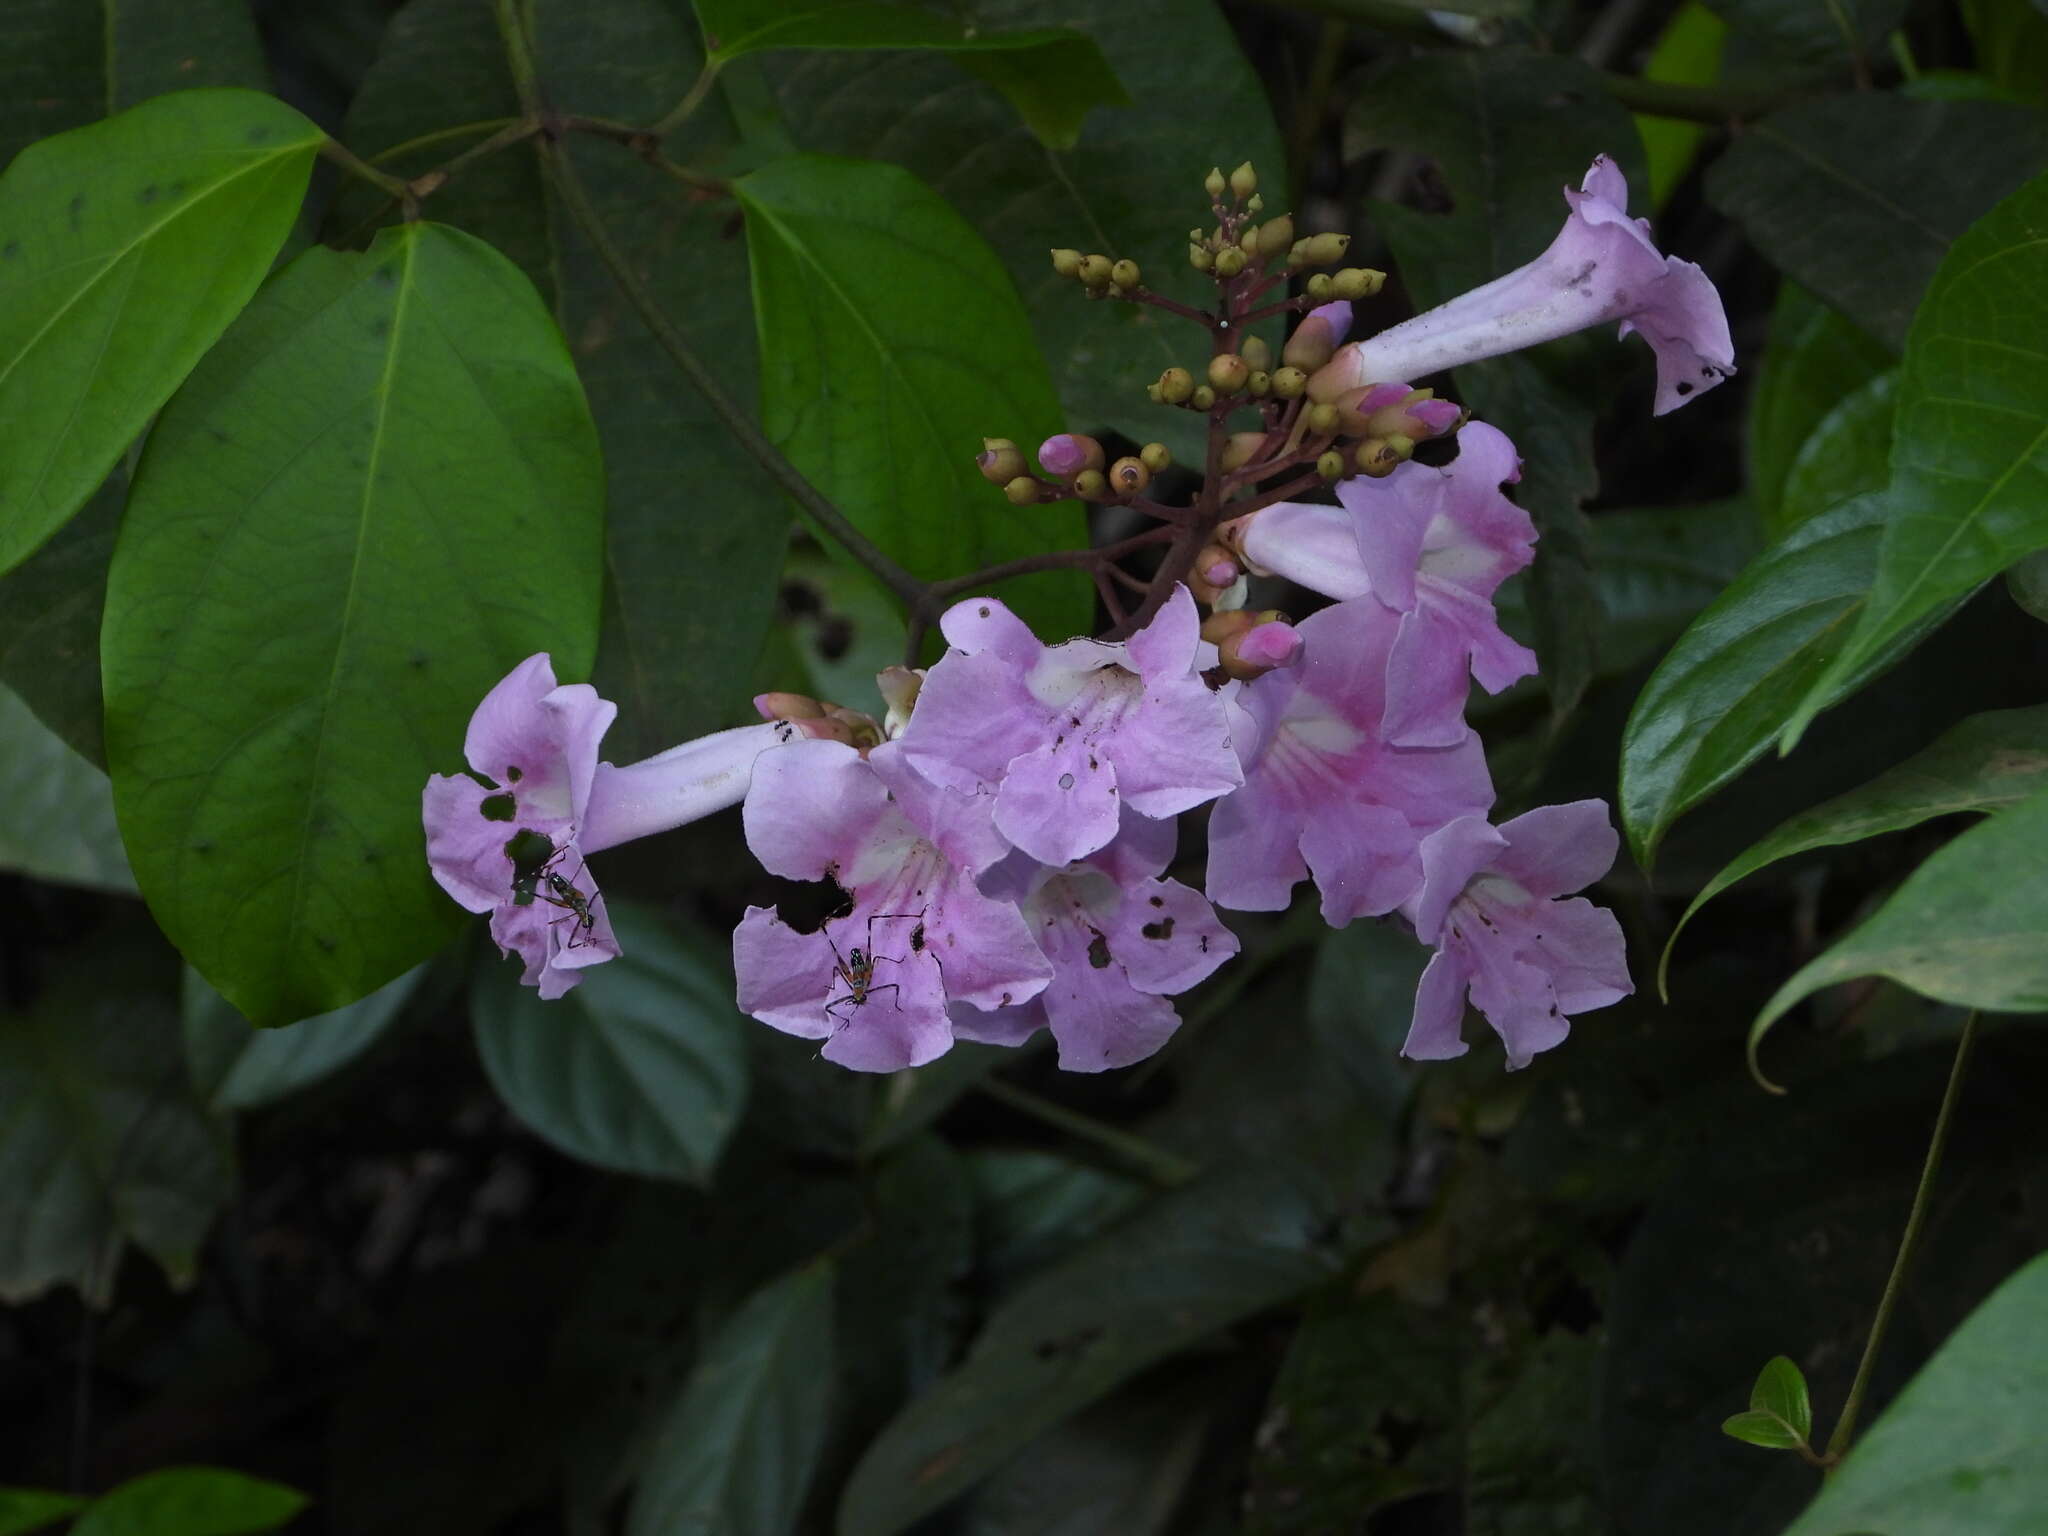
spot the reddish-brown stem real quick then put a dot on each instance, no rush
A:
(1107, 592)
(1171, 306)
(1284, 307)
(1052, 560)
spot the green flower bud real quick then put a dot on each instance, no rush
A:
(1288, 383)
(1255, 204)
(1229, 261)
(1275, 236)
(1297, 256)
(1323, 419)
(1124, 274)
(1089, 485)
(1094, 272)
(1228, 372)
(1244, 181)
(1213, 182)
(1331, 465)
(1240, 449)
(1318, 288)
(1325, 250)
(1377, 458)
(1128, 476)
(1357, 283)
(1023, 491)
(1155, 394)
(1000, 460)
(1176, 385)
(1248, 240)
(1258, 385)
(1256, 353)
(1067, 263)
(1154, 457)
(1203, 399)
(1401, 446)
(1201, 258)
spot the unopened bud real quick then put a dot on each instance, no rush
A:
(1000, 460)
(1268, 641)
(788, 706)
(1297, 256)
(1023, 491)
(1318, 287)
(1258, 384)
(1229, 262)
(1155, 394)
(1089, 485)
(1213, 182)
(1275, 236)
(1066, 263)
(1378, 458)
(1124, 273)
(1315, 340)
(1256, 353)
(827, 729)
(1215, 573)
(1154, 457)
(862, 731)
(1255, 203)
(1323, 419)
(1228, 372)
(1128, 476)
(1066, 454)
(1176, 385)
(1203, 399)
(1324, 250)
(1331, 465)
(1288, 383)
(1248, 240)
(1219, 627)
(1403, 448)
(1357, 283)
(1094, 271)
(1241, 449)
(1201, 258)
(1244, 181)
(899, 688)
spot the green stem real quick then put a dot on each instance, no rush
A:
(681, 112)
(1713, 104)
(1164, 1168)
(347, 159)
(1845, 1426)
(459, 130)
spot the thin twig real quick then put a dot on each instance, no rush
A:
(1164, 1168)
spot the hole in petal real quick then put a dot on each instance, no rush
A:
(1098, 952)
(1163, 929)
(498, 807)
(1066, 781)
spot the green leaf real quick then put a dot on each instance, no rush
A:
(1032, 1208)
(1845, 456)
(51, 607)
(1806, 187)
(1131, 186)
(643, 1068)
(1687, 53)
(1764, 1429)
(894, 342)
(1959, 1451)
(912, 1099)
(1969, 493)
(191, 1501)
(30, 1509)
(1720, 696)
(56, 809)
(736, 1449)
(1831, 35)
(1986, 763)
(378, 494)
(2026, 581)
(1194, 1261)
(234, 1065)
(125, 249)
(1965, 927)
(1813, 360)
(1052, 78)
(1780, 1391)
(2010, 41)
(101, 1140)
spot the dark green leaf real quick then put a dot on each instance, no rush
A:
(377, 495)
(1130, 188)
(101, 1140)
(1780, 1391)
(1715, 703)
(2010, 40)
(1813, 360)
(1764, 1429)
(1846, 455)
(736, 1449)
(30, 1509)
(1965, 927)
(1361, 999)
(894, 342)
(1969, 493)
(1034, 1207)
(56, 809)
(1052, 78)
(643, 1068)
(1687, 53)
(1984, 764)
(1959, 1452)
(51, 606)
(191, 1501)
(235, 1065)
(914, 1098)
(125, 249)
(1836, 34)
(1806, 186)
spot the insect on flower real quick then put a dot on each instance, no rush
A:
(534, 876)
(856, 969)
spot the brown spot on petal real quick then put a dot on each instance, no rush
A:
(1163, 929)
(1098, 952)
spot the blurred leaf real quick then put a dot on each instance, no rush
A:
(1032, 1208)
(1965, 927)
(190, 1501)
(1801, 34)
(1813, 360)
(1960, 1449)
(737, 1447)
(894, 340)
(1052, 78)
(51, 606)
(113, 283)
(1531, 1466)
(235, 1065)
(1688, 52)
(642, 1068)
(912, 1099)
(1780, 1391)
(2026, 582)
(1807, 189)
(1194, 1261)
(2010, 41)
(274, 702)
(1986, 763)
(1754, 1427)
(1507, 129)
(1969, 492)
(56, 809)
(1721, 695)
(101, 1141)
(1846, 455)
(1130, 188)
(1361, 999)
(30, 1509)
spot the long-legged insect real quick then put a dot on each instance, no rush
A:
(857, 969)
(534, 857)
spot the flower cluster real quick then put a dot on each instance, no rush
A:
(1000, 838)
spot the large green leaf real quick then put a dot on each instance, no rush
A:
(1724, 691)
(1130, 187)
(1806, 186)
(101, 1140)
(235, 1065)
(1986, 763)
(1688, 52)
(1795, 33)
(736, 1449)
(1846, 455)
(56, 809)
(1969, 492)
(125, 249)
(30, 1509)
(643, 1068)
(1052, 77)
(51, 606)
(1814, 360)
(379, 493)
(1958, 1454)
(190, 1501)
(894, 341)
(1965, 927)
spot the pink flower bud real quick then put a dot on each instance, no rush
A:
(1066, 454)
